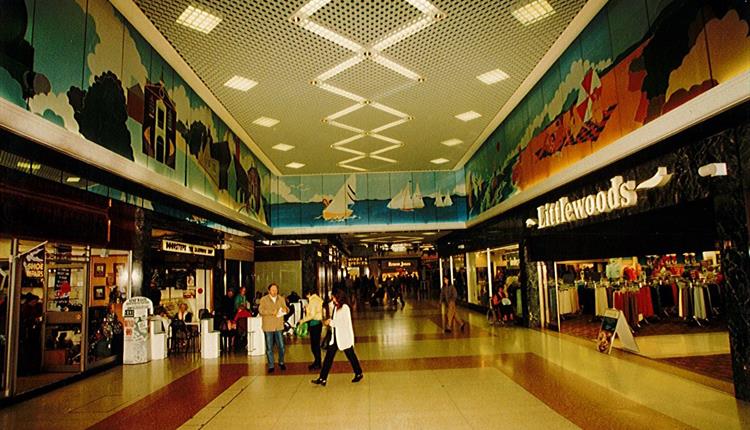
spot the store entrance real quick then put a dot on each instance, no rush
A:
(52, 291)
(660, 270)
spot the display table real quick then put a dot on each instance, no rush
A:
(210, 339)
(256, 339)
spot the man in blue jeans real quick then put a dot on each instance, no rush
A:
(272, 309)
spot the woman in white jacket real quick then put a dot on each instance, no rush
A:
(342, 339)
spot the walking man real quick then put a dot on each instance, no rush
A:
(448, 296)
(272, 309)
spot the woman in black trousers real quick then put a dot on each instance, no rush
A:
(342, 338)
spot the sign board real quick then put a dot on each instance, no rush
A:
(620, 195)
(137, 345)
(356, 261)
(33, 262)
(615, 325)
(186, 248)
(391, 264)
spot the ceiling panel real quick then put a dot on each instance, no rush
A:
(428, 74)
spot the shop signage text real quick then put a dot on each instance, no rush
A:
(356, 261)
(620, 195)
(399, 264)
(186, 248)
(33, 263)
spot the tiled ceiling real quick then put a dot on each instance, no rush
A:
(410, 65)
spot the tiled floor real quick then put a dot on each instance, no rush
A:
(415, 377)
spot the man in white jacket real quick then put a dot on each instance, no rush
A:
(341, 339)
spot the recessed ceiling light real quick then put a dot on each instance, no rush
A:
(530, 11)
(240, 83)
(295, 165)
(198, 19)
(428, 233)
(73, 179)
(439, 161)
(452, 142)
(266, 122)
(468, 116)
(282, 147)
(493, 76)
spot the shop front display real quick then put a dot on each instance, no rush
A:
(70, 310)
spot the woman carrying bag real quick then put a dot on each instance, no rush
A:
(341, 339)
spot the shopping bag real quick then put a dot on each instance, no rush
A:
(301, 330)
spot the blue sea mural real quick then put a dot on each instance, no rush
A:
(368, 199)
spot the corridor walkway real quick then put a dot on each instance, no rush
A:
(416, 377)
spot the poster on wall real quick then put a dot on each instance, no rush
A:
(136, 348)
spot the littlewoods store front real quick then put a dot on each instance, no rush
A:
(620, 195)
(661, 235)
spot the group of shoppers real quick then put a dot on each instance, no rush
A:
(339, 337)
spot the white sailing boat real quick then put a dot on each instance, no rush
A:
(338, 208)
(417, 201)
(405, 201)
(442, 201)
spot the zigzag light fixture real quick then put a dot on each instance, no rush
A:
(429, 14)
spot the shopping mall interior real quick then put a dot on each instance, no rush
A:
(505, 213)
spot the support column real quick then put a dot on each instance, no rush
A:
(141, 269)
(529, 280)
(731, 211)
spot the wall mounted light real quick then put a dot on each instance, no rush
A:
(713, 169)
(531, 222)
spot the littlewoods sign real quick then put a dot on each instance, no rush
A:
(620, 195)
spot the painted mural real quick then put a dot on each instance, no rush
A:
(97, 76)
(368, 199)
(636, 60)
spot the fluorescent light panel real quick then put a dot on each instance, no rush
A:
(343, 93)
(423, 5)
(346, 111)
(468, 116)
(311, 7)
(345, 127)
(266, 122)
(386, 149)
(358, 169)
(439, 161)
(528, 12)
(27, 165)
(390, 40)
(331, 36)
(240, 83)
(387, 160)
(347, 140)
(198, 19)
(452, 142)
(73, 179)
(295, 165)
(335, 70)
(493, 76)
(385, 138)
(385, 62)
(283, 147)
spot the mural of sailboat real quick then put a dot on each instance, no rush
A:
(405, 200)
(442, 201)
(338, 208)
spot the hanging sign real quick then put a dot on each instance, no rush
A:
(33, 262)
(186, 248)
(137, 345)
(615, 325)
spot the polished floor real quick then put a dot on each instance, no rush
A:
(416, 377)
